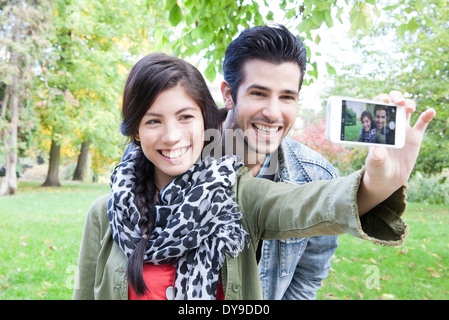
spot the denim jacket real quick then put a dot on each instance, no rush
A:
(293, 269)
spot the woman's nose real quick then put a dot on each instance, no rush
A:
(172, 134)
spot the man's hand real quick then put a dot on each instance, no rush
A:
(387, 169)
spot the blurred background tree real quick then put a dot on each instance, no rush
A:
(408, 52)
(63, 64)
(23, 28)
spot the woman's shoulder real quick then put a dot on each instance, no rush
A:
(98, 210)
(101, 203)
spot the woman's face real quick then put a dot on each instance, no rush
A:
(171, 134)
(366, 123)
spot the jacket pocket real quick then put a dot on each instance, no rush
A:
(290, 251)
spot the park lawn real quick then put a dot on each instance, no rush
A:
(41, 228)
(352, 132)
(40, 233)
(417, 270)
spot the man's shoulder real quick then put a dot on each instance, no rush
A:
(308, 159)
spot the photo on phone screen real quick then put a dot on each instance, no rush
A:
(367, 122)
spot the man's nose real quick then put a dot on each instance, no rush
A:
(272, 110)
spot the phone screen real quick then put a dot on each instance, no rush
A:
(367, 122)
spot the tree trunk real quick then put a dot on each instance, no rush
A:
(82, 162)
(53, 166)
(8, 185)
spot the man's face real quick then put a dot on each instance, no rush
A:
(379, 118)
(266, 105)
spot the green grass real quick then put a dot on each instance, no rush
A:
(417, 270)
(352, 132)
(41, 228)
(40, 233)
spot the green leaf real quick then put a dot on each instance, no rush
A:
(412, 26)
(175, 15)
(170, 4)
(314, 72)
(357, 21)
(401, 31)
(290, 13)
(328, 19)
(210, 72)
(330, 69)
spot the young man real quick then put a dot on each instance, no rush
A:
(263, 73)
(383, 133)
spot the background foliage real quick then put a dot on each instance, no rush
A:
(63, 64)
(72, 57)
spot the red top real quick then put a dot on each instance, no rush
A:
(158, 279)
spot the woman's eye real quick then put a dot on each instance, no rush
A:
(152, 121)
(186, 117)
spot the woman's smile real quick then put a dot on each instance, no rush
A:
(174, 153)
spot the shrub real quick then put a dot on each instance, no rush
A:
(429, 189)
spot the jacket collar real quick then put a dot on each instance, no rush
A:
(290, 167)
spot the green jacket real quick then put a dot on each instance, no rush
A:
(269, 211)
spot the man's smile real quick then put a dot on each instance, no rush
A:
(266, 130)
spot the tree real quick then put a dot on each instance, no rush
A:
(207, 27)
(22, 28)
(415, 61)
(78, 175)
(94, 41)
(423, 37)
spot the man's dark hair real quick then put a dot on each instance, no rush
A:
(274, 43)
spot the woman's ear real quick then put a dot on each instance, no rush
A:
(227, 96)
(137, 137)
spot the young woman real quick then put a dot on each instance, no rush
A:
(368, 131)
(181, 225)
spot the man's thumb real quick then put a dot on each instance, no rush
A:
(376, 157)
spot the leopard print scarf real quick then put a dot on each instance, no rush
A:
(198, 222)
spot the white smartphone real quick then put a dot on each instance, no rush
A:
(365, 122)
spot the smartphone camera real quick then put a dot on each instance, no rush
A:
(362, 122)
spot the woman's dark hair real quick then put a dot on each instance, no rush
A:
(368, 114)
(149, 77)
(273, 43)
(158, 72)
